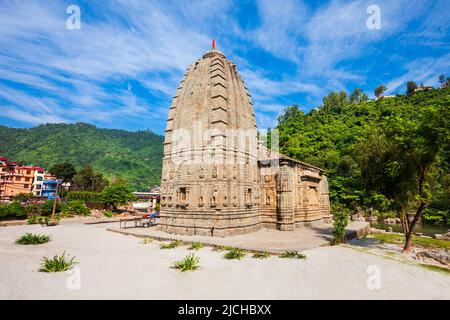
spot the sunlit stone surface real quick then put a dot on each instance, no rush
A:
(217, 179)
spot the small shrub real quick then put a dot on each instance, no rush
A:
(108, 213)
(12, 210)
(234, 253)
(189, 263)
(340, 222)
(171, 245)
(147, 240)
(196, 245)
(292, 255)
(33, 219)
(47, 207)
(261, 255)
(33, 210)
(57, 263)
(33, 239)
(75, 208)
(48, 221)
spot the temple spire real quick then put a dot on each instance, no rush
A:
(213, 44)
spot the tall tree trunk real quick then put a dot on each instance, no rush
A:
(408, 242)
(401, 216)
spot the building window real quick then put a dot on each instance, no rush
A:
(26, 186)
(28, 171)
(39, 178)
(18, 178)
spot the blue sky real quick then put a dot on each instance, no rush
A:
(121, 69)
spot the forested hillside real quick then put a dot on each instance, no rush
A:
(374, 152)
(135, 156)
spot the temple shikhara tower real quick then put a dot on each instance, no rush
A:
(217, 178)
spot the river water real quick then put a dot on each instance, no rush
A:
(425, 229)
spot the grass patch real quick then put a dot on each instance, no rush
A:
(196, 245)
(189, 263)
(261, 255)
(436, 268)
(147, 240)
(173, 244)
(419, 241)
(33, 239)
(234, 253)
(292, 255)
(223, 248)
(57, 263)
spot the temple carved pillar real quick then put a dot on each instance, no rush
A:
(285, 212)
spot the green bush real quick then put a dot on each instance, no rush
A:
(57, 263)
(31, 238)
(47, 207)
(32, 219)
(108, 213)
(292, 255)
(234, 253)
(12, 210)
(431, 216)
(75, 208)
(340, 222)
(33, 210)
(189, 263)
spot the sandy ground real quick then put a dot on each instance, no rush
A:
(114, 266)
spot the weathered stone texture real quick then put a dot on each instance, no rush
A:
(214, 179)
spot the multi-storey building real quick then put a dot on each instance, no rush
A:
(16, 179)
(38, 181)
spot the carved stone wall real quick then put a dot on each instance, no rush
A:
(212, 182)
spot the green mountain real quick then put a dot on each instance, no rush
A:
(135, 156)
(338, 135)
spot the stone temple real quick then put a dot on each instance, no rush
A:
(217, 178)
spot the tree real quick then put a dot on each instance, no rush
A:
(355, 97)
(116, 194)
(442, 79)
(89, 180)
(64, 171)
(380, 90)
(398, 160)
(335, 102)
(411, 87)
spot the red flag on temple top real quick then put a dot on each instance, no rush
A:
(213, 44)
